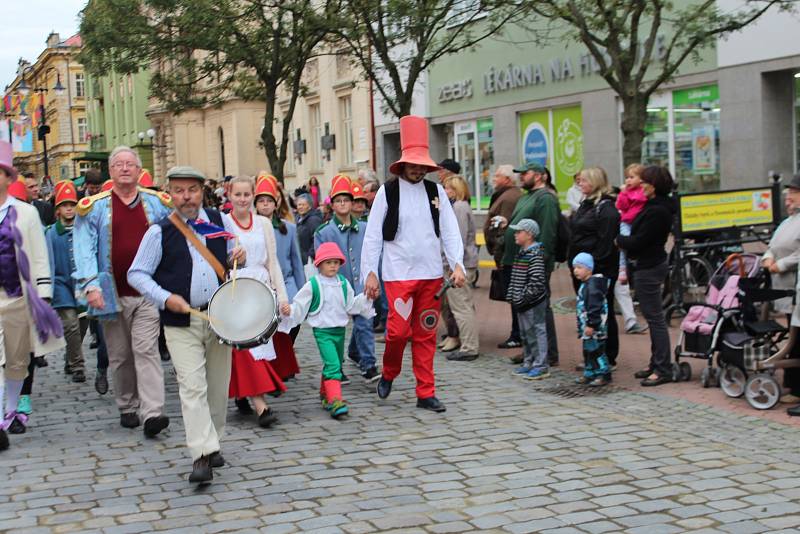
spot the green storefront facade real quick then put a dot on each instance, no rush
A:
(116, 107)
(511, 101)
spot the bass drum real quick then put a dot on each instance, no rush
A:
(245, 316)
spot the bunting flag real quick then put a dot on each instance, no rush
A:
(7, 103)
(210, 231)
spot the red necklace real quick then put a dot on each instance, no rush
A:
(249, 226)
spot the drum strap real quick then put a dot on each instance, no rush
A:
(197, 244)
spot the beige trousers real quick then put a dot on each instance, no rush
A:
(17, 338)
(203, 366)
(462, 307)
(132, 342)
(74, 330)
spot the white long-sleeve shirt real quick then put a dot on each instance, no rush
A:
(333, 310)
(415, 252)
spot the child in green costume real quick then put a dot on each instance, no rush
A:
(327, 301)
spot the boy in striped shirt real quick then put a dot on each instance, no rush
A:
(527, 293)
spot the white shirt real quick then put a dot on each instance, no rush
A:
(414, 253)
(333, 311)
(10, 201)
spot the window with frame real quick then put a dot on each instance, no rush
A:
(83, 129)
(316, 136)
(80, 85)
(346, 129)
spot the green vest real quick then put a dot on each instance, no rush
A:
(316, 293)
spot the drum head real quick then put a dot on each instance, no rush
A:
(243, 313)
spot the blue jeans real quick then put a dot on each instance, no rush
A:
(533, 330)
(362, 342)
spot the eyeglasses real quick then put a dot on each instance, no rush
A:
(125, 165)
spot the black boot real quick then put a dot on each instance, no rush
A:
(431, 403)
(201, 471)
(384, 387)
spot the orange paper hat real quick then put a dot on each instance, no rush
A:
(18, 190)
(107, 185)
(340, 185)
(357, 191)
(265, 186)
(146, 179)
(65, 192)
(414, 144)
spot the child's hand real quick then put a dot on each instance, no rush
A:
(588, 331)
(286, 309)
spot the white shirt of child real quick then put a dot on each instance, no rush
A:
(333, 312)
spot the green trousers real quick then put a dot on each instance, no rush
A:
(330, 342)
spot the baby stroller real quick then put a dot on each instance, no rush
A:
(705, 323)
(749, 357)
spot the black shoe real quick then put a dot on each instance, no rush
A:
(355, 358)
(371, 375)
(510, 343)
(267, 418)
(201, 471)
(644, 373)
(243, 405)
(345, 380)
(462, 357)
(4, 444)
(79, 376)
(154, 425)
(67, 370)
(794, 411)
(384, 387)
(40, 361)
(215, 459)
(16, 427)
(431, 403)
(129, 420)
(657, 381)
(101, 382)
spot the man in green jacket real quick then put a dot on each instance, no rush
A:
(540, 203)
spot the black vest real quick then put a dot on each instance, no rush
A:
(392, 219)
(174, 273)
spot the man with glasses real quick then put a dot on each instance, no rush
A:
(108, 230)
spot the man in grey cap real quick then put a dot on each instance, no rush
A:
(158, 272)
(108, 230)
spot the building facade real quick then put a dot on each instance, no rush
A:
(330, 133)
(64, 114)
(116, 112)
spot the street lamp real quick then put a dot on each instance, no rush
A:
(150, 134)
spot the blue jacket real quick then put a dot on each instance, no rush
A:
(350, 240)
(289, 258)
(62, 265)
(92, 237)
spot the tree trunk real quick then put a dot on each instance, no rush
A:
(634, 119)
(268, 140)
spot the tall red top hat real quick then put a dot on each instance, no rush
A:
(265, 186)
(414, 144)
(263, 175)
(340, 185)
(7, 159)
(357, 191)
(146, 179)
(18, 190)
(107, 185)
(328, 251)
(65, 192)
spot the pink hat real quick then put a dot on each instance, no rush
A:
(328, 251)
(7, 159)
(414, 144)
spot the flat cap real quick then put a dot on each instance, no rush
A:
(185, 171)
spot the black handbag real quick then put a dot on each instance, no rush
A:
(497, 289)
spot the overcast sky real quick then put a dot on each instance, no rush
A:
(26, 25)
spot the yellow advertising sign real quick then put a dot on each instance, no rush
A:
(726, 209)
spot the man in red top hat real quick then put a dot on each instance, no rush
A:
(409, 219)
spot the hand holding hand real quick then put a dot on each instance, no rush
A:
(177, 304)
(458, 277)
(372, 288)
(588, 331)
(286, 309)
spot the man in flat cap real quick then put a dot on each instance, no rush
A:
(169, 250)
(108, 229)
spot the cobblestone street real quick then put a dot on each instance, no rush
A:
(508, 456)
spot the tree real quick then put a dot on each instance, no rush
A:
(203, 52)
(395, 41)
(639, 45)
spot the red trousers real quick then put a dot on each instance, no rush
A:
(413, 314)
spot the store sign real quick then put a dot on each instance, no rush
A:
(727, 209)
(455, 91)
(534, 144)
(695, 95)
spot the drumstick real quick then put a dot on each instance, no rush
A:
(200, 314)
(235, 262)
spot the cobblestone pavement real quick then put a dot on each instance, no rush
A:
(508, 456)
